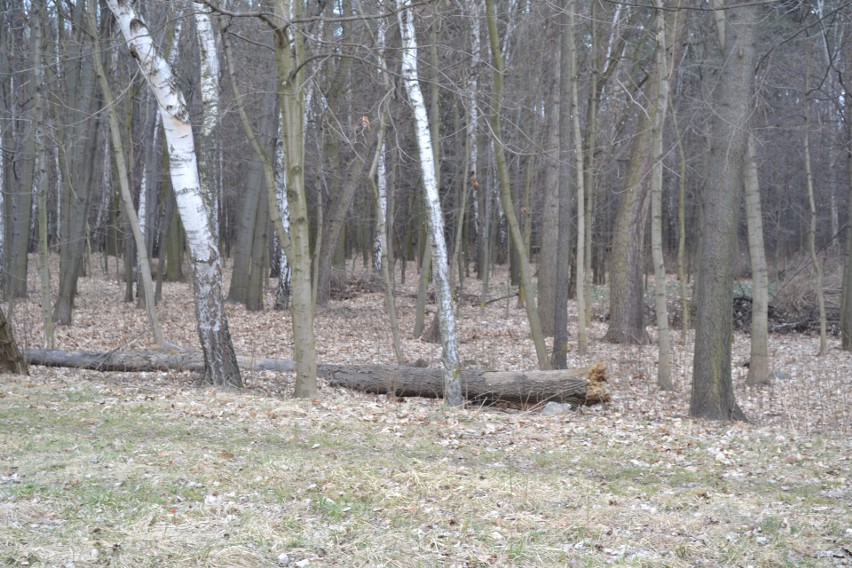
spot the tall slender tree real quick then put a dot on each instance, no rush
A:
(758, 369)
(447, 321)
(518, 244)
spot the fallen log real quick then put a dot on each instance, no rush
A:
(580, 386)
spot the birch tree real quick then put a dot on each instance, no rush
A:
(282, 292)
(210, 111)
(447, 321)
(220, 360)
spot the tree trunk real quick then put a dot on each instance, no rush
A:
(664, 362)
(379, 186)
(563, 241)
(81, 140)
(207, 151)
(220, 361)
(282, 291)
(247, 282)
(758, 369)
(290, 56)
(452, 383)
(811, 237)
(517, 239)
(626, 261)
(11, 360)
(39, 189)
(685, 322)
(585, 385)
(549, 248)
(117, 147)
(846, 294)
(712, 385)
(581, 271)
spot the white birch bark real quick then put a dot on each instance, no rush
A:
(106, 188)
(220, 360)
(142, 212)
(446, 317)
(380, 244)
(210, 105)
(473, 119)
(282, 295)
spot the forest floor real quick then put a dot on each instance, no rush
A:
(151, 469)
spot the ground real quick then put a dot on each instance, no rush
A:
(152, 469)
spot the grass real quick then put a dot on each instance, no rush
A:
(100, 473)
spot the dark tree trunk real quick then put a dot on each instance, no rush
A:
(11, 360)
(627, 259)
(712, 385)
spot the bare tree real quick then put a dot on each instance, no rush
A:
(117, 147)
(758, 369)
(220, 360)
(447, 321)
(712, 385)
(518, 244)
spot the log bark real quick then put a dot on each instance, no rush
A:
(585, 385)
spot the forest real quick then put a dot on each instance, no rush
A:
(314, 269)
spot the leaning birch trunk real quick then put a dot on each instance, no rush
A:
(506, 193)
(758, 369)
(220, 361)
(447, 321)
(124, 183)
(149, 186)
(664, 364)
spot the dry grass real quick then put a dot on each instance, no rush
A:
(151, 470)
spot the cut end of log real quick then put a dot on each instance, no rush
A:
(598, 390)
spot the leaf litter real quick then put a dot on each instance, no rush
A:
(151, 469)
